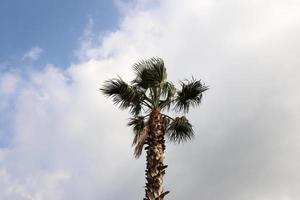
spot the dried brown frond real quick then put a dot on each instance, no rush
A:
(140, 141)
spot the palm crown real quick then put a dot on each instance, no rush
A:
(150, 90)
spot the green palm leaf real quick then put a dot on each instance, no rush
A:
(124, 95)
(137, 101)
(180, 130)
(150, 73)
(190, 94)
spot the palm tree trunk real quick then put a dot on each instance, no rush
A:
(155, 168)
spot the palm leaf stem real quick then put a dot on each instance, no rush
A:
(146, 104)
(168, 116)
(148, 100)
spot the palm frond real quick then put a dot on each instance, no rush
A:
(120, 92)
(137, 101)
(140, 142)
(141, 130)
(150, 73)
(168, 91)
(189, 95)
(124, 95)
(137, 124)
(180, 130)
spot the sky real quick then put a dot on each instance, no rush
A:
(60, 138)
(54, 26)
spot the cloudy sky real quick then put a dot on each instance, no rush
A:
(60, 139)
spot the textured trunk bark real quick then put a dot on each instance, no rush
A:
(155, 168)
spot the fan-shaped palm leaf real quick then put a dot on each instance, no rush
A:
(150, 73)
(137, 101)
(124, 95)
(180, 130)
(189, 95)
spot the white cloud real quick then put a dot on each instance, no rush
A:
(8, 86)
(71, 143)
(33, 54)
(43, 186)
(8, 83)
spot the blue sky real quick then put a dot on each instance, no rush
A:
(51, 32)
(55, 26)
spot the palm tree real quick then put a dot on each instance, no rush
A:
(146, 97)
